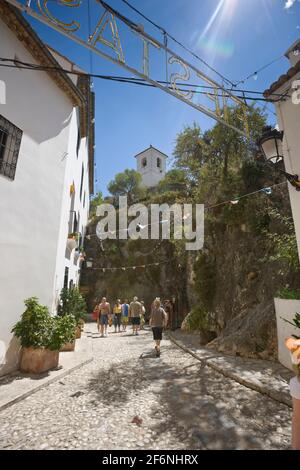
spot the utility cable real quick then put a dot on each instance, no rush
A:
(23, 65)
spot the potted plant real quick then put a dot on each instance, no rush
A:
(72, 303)
(41, 337)
(287, 305)
(66, 326)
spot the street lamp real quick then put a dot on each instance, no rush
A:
(272, 148)
(271, 145)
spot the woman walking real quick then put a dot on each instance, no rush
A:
(158, 321)
(117, 311)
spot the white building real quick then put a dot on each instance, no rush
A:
(46, 175)
(288, 114)
(151, 164)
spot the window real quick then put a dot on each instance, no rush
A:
(75, 223)
(66, 278)
(144, 162)
(81, 183)
(158, 163)
(78, 141)
(10, 141)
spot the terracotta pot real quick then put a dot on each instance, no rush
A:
(78, 332)
(68, 347)
(38, 360)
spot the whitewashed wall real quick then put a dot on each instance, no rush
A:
(289, 120)
(34, 208)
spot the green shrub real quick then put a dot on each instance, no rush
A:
(205, 280)
(72, 303)
(63, 331)
(283, 243)
(37, 329)
(197, 320)
(290, 294)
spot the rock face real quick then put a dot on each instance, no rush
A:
(229, 284)
(165, 280)
(239, 295)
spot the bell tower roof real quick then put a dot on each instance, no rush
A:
(149, 148)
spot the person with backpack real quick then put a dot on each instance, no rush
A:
(125, 313)
(158, 321)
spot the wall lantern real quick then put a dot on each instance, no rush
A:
(271, 146)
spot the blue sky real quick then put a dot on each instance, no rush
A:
(236, 37)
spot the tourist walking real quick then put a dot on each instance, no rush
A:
(125, 313)
(104, 312)
(158, 321)
(135, 311)
(117, 311)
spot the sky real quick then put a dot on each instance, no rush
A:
(235, 37)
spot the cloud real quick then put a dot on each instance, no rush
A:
(289, 4)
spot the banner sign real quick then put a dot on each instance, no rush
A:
(109, 37)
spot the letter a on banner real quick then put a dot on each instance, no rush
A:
(105, 20)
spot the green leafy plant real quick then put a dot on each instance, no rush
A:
(63, 331)
(197, 319)
(38, 329)
(72, 303)
(284, 244)
(295, 322)
(289, 294)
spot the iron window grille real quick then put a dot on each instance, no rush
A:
(10, 142)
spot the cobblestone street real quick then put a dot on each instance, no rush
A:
(178, 404)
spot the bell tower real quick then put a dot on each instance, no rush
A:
(151, 164)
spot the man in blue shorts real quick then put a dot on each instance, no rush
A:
(135, 311)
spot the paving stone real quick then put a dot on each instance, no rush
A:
(182, 404)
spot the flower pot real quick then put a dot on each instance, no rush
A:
(81, 324)
(38, 360)
(68, 347)
(285, 308)
(78, 332)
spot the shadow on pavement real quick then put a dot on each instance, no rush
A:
(195, 404)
